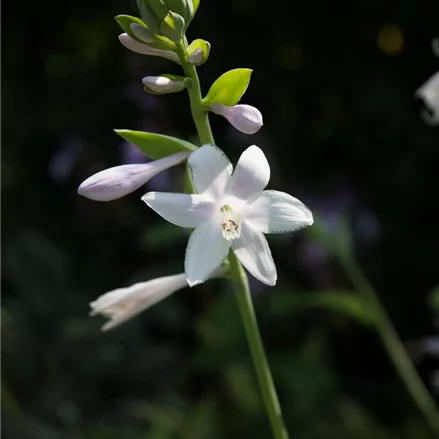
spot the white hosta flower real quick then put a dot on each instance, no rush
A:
(144, 49)
(230, 211)
(244, 118)
(429, 93)
(160, 84)
(119, 181)
(122, 304)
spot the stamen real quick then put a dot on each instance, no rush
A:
(230, 223)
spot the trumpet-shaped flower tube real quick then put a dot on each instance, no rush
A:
(119, 181)
(244, 118)
(123, 303)
(230, 211)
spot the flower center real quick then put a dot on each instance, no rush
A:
(230, 223)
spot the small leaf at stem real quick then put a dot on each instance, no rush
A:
(155, 145)
(228, 88)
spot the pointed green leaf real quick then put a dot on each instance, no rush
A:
(228, 88)
(155, 145)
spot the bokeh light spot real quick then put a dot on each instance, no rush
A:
(390, 39)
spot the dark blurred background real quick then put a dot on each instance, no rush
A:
(335, 82)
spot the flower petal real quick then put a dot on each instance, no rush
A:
(211, 171)
(143, 49)
(205, 252)
(429, 92)
(253, 251)
(119, 181)
(123, 303)
(278, 212)
(183, 210)
(252, 173)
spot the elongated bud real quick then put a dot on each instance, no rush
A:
(144, 49)
(165, 83)
(429, 93)
(123, 303)
(160, 84)
(113, 183)
(244, 118)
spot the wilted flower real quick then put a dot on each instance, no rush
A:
(244, 118)
(119, 181)
(144, 49)
(123, 303)
(230, 211)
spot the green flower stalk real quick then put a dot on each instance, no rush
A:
(229, 211)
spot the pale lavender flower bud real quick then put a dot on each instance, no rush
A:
(244, 118)
(144, 49)
(160, 84)
(196, 57)
(429, 92)
(113, 183)
(123, 303)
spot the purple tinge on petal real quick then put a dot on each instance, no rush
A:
(113, 183)
(244, 118)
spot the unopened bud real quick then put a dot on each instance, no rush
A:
(196, 57)
(160, 84)
(113, 183)
(198, 52)
(144, 49)
(244, 118)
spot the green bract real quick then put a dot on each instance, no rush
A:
(228, 88)
(185, 8)
(202, 45)
(180, 83)
(145, 36)
(155, 145)
(125, 22)
(149, 16)
(173, 27)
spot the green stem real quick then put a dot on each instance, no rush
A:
(240, 282)
(199, 114)
(237, 273)
(395, 348)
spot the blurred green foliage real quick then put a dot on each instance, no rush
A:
(335, 83)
